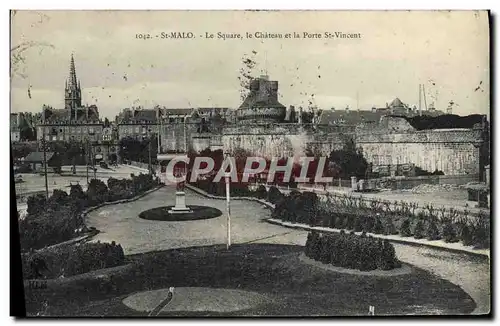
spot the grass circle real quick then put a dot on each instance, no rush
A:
(197, 213)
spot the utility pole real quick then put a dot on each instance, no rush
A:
(149, 149)
(45, 166)
(425, 99)
(420, 99)
(87, 160)
(91, 152)
(45, 158)
(357, 100)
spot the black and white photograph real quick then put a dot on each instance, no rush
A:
(251, 163)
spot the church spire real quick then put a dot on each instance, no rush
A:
(73, 98)
(72, 73)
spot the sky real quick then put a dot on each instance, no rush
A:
(446, 51)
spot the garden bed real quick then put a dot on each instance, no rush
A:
(273, 271)
(196, 213)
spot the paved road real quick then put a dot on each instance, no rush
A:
(122, 224)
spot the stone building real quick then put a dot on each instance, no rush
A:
(261, 104)
(15, 130)
(76, 122)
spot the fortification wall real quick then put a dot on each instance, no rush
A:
(284, 140)
(454, 152)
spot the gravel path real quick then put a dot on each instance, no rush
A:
(121, 223)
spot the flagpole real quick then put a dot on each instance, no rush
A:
(228, 206)
(228, 201)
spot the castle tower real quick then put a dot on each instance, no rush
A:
(73, 92)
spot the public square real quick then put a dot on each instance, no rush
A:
(120, 223)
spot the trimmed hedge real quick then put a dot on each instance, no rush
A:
(351, 251)
(59, 218)
(348, 213)
(71, 260)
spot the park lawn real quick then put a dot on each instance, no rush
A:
(296, 288)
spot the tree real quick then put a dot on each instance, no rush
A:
(349, 161)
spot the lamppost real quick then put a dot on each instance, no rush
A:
(228, 202)
(45, 161)
(91, 152)
(87, 160)
(147, 134)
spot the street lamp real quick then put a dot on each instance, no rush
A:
(228, 201)
(45, 161)
(148, 135)
(91, 134)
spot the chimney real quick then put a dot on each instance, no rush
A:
(347, 108)
(300, 115)
(374, 109)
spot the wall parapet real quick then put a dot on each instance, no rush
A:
(427, 136)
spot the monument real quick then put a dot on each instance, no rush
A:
(180, 196)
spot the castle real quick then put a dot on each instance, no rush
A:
(264, 127)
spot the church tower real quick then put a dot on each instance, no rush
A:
(73, 92)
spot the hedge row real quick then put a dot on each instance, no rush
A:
(306, 208)
(72, 260)
(59, 218)
(351, 251)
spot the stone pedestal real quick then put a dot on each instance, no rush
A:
(180, 204)
(354, 183)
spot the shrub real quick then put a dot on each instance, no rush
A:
(419, 231)
(93, 256)
(449, 233)
(307, 208)
(389, 227)
(350, 221)
(36, 204)
(405, 230)
(49, 227)
(261, 192)
(466, 235)
(325, 248)
(340, 221)
(481, 232)
(97, 192)
(308, 244)
(274, 195)
(351, 251)
(358, 224)
(369, 223)
(388, 258)
(432, 231)
(71, 260)
(378, 227)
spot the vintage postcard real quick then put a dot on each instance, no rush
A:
(251, 163)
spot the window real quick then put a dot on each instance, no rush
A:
(375, 160)
(137, 129)
(78, 130)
